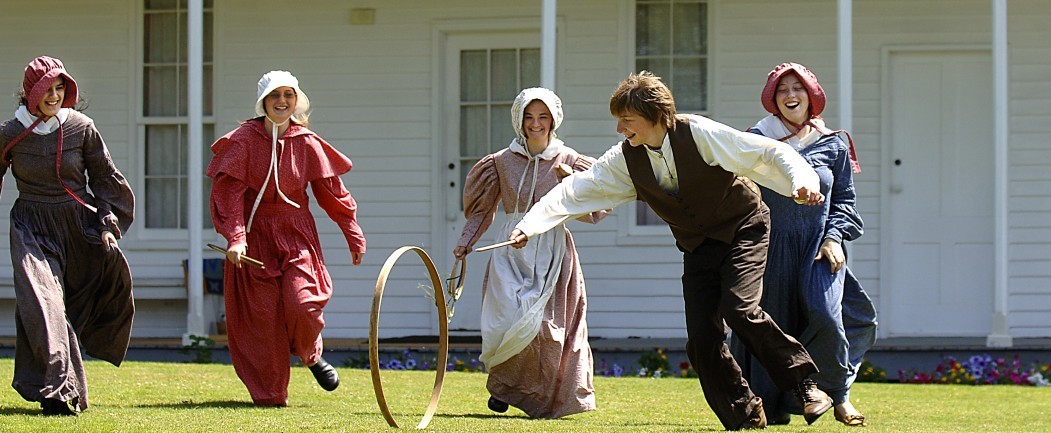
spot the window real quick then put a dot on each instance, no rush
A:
(671, 40)
(164, 111)
(490, 79)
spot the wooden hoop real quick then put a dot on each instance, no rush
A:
(443, 335)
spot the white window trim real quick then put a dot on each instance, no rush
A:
(139, 123)
(628, 232)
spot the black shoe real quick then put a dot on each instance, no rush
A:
(56, 407)
(814, 401)
(325, 374)
(497, 405)
(782, 418)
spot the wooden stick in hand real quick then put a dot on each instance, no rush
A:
(244, 258)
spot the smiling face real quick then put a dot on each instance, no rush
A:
(280, 104)
(53, 98)
(792, 99)
(638, 130)
(536, 122)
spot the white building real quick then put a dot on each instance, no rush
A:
(949, 102)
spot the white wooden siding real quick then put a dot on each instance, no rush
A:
(373, 97)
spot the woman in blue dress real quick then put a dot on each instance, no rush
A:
(808, 289)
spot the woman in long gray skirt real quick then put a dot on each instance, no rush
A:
(72, 283)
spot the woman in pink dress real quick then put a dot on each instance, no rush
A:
(259, 203)
(534, 332)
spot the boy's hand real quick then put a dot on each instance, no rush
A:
(807, 197)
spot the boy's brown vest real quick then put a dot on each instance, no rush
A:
(712, 202)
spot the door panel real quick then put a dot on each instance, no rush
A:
(940, 196)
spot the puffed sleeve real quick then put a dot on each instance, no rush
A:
(481, 197)
(113, 196)
(337, 202)
(583, 163)
(844, 222)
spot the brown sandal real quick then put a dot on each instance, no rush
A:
(852, 420)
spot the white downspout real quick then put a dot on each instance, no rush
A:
(1000, 335)
(548, 11)
(194, 224)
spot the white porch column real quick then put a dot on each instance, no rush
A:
(845, 47)
(845, 53)
(1000, 335)
(547, 43)
(195, 110)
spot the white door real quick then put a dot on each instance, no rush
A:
(483, 74)
(939, 199)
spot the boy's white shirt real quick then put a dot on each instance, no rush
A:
(607, 184)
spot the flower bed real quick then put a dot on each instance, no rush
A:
(980, 370)
(976, 370)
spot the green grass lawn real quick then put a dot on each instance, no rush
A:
(165, 397)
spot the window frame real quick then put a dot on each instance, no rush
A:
(142, 121)
(631, 232)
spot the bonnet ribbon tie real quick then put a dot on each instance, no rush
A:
(272, 170)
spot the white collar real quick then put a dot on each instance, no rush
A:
(552, 150)
(45, 127)
(772, 126)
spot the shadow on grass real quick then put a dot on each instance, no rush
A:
(479, 416)
(228, 404)
(11, 411)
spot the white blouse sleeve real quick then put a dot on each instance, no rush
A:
(768, 162)
(605, 185)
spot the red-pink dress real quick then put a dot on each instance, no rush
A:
(275, 312)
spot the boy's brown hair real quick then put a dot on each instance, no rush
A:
(646, 95)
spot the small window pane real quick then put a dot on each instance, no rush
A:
(474, 139)
(660, 67)
(652, 33)
(474, 78)
(690, 24)
(162, 204)
(505, 75)
(502, 129)
(645, 216)
(160, 4)
(184, 30)
(184, 91)
(208, 36)
(206, 214)
(690, 86)
(162, 38)
(530, 68)
(163, 156)
(160, 88)
(206, 84)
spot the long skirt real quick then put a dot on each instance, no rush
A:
(552, 376)
(68, 293)
(276, 312)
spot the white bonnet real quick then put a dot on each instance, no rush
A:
(549, 98)
(274, 79)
